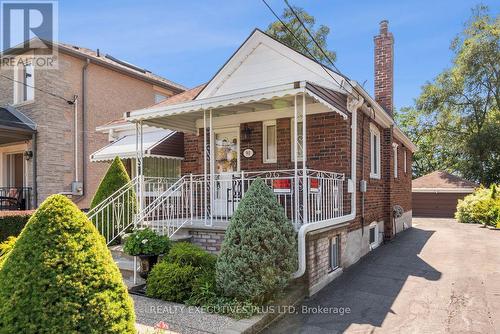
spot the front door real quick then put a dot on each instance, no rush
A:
(226, 151)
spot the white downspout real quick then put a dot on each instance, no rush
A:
(352, 106)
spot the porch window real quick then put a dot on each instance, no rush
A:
(158, 167)
(374, 152)
(24, 83)
(395, 150)
(269, 141)
(334, 259)
(299, 140)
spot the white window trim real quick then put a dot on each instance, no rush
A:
(292, 134)
(264, 141)
(374, 131)
(375, 243)
(395, 151)
(404, 161)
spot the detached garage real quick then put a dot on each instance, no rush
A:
(437, 194)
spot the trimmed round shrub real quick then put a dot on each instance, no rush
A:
(146, 242)
(185, 253)
(60, 277)
(171, 281)
(259, 252)
(116, 177)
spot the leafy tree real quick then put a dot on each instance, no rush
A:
(60, 277)
(116, 177)
(457, 116)
(259, 251)
(278, 31)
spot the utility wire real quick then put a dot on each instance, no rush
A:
(315, 42)
(305, 48)
(38, 89)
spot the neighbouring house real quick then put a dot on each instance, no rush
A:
(44, 140)
(436, 194)
(332, 154)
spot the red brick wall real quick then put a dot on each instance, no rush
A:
(328, 149)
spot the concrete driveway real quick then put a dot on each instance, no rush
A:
(438, 277)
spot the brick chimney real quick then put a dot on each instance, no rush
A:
(384, 68)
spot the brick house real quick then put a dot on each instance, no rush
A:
(345, 184)
(45, 141)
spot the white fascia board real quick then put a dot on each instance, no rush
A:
(254, 95)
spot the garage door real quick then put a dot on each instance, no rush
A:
(439, 205)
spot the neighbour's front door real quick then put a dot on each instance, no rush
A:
(226, 153)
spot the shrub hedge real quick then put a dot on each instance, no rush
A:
(12, 223)
(174, 277)
(259, 251)
(480, 207)
(60, 278)
(185, 253)
(171, 281)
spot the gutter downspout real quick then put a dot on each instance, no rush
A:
(84, 129)
(352, 106)
(35, 185)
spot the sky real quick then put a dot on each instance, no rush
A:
(188, 41)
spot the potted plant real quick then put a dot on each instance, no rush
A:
(147, 245)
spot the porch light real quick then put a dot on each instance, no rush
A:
(28, 155)
(247, 133)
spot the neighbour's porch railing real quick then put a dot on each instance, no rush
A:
(196, 197)
(15, 198)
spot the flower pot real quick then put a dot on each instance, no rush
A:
(146, 263)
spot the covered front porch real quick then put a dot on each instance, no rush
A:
(17, 160)
(234, 139)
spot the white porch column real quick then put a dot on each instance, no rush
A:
(141, 167)
(305, 186)
(205, 166)
(212, 169)
(296, 164)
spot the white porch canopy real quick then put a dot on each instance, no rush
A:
(125, 147)
(183, 116)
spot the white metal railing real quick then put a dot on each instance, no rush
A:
(195, 197)
(116, 214)
(169, 210)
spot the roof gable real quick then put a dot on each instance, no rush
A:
(262, 61)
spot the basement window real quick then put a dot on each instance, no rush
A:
(374, 152)
(269, 140)
(334, 259)
(373, 235)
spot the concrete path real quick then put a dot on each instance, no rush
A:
(438, 277)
